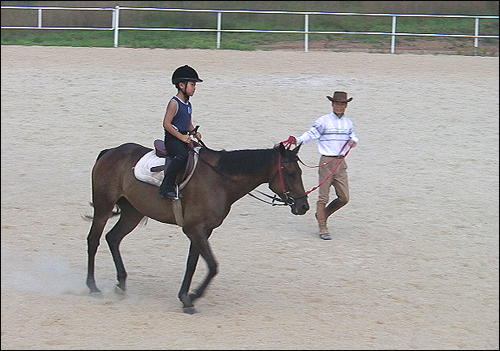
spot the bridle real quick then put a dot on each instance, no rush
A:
(276, 200)
(288, 199)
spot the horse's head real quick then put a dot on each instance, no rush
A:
(287, 183)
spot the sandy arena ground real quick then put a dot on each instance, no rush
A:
(413, 263)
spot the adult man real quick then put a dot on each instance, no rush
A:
(335, 135)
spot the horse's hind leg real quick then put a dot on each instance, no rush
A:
(129, 219)
(101, 216)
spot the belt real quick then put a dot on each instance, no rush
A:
(338, 156)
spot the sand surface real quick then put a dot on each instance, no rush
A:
(413, 263)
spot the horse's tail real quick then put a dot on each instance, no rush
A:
(117, 211)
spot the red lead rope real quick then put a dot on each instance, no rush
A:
(334, 168)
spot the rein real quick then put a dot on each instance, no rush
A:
(274, 199)
(289, 200)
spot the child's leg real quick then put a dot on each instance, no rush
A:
(178, 150)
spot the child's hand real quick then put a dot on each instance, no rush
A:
(185, 138)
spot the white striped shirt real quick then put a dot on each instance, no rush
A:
(331, 132)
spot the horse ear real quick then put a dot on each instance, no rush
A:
(282, 149)
(296, 150)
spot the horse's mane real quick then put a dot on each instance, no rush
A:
(244, 161)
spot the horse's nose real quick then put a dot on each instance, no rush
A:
(305, 207)
(302, 209)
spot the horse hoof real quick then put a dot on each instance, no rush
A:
(119, 290)
(189, 310)
(96, 294)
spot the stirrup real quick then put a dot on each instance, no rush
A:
(170, 195)
(178, 194)
(173, 194)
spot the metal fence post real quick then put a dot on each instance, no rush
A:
(476, 33)
(39, 18)
(393, 36)
(306, 30)
(219, 26)
(115, 24)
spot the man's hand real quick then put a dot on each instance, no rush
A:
(290, 141)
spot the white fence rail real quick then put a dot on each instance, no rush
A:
(115, 23)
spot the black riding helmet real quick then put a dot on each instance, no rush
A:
(185, 73)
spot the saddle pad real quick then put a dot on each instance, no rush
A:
(142, 169)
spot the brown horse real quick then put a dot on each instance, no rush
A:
(219, 180)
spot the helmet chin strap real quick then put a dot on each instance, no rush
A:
(186, 96)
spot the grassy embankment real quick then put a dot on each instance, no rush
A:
(246, 41)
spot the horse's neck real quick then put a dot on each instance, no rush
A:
(238, 184)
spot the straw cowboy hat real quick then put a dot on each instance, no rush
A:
(340, 96)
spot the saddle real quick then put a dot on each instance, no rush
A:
(149, 168)
(162, 152)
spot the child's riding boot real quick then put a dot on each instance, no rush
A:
(167, 187)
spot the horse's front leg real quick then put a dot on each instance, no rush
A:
(199, 246)
(192, 261)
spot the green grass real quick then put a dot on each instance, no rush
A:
(83, 38)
